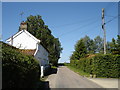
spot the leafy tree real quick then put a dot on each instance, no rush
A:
(118, 44)
(98, 44)
(108, 47)
(72, 57)
(90, 45)
(80, 50)
(37, 27)
(115, 45)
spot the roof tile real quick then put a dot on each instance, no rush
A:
(28, 51)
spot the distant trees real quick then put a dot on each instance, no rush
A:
(37, 27)
(98, 44)
(80, 50)
(89, 44)
(115, 45)
(86, 46)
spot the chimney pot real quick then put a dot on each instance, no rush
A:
(23, 26)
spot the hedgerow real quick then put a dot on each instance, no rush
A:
(18, 70)
(99, 65)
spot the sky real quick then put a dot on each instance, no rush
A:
(68, 21)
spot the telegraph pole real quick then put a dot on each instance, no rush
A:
(103, 27)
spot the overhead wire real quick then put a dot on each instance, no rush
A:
(109, 6)
(109, 16)
(92, 29)
(86, 25)
(72, 23)
(112, 19)
(79, 28)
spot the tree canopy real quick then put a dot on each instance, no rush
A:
(80, 50)
(37, 27)
(86, 46)
(115, 45)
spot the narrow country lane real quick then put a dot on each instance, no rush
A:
(65, 78)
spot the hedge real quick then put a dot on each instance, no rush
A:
(99, 65)
(18, 70)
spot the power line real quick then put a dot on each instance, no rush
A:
(112, 19)
(109, 6)
(73, 23)
(91, 23)
(109, 16)
(75, 29)
(88, 30)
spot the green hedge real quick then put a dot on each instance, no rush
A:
(99, 65)
(18, 70)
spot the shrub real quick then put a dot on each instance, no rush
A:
(18, 70)
(99, 65)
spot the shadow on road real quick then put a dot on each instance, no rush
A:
(42, 85)
(61, 64)
(53, 71)
(45, 84)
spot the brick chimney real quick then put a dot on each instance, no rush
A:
(23, 26)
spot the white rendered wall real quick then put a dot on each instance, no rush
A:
(42, 55)
(24, 41)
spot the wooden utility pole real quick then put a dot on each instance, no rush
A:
(103, 27)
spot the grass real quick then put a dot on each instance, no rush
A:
(53, 67)
(82, 73)
(78, 71)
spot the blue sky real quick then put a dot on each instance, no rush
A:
(68, 21)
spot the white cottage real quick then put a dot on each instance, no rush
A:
(30, 45)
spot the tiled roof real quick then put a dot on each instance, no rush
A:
(90, 55)
(28, 51)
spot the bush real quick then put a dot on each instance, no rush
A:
(18, 70)
(99, 65)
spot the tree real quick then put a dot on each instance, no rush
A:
(108, 47)
(80, 50)
(90, 45)
(98, 44)
(115, 45)
(37, 27)
(118, 44)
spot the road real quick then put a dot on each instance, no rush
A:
(65, 78)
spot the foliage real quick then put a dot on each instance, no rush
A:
(99, 65)
(78, 71)
(90, 44)
(94, 46)
(80, 50)
(37, 27)
(98, 44)
(115, 45)
(18, 70)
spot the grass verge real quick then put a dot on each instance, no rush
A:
(78, 71)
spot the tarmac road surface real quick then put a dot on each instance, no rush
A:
(65, 78)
